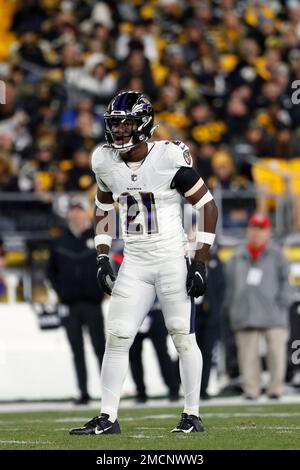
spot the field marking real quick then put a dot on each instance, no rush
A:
(209, 415)
(11, 429)
(142, 436)
(162, 416)
(2, 441)
(290, 427)
(252, 427)
(149, 429)
(249, 415)
(285, 431)
(286, 414)
(13, 421)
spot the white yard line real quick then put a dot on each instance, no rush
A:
(141, 418)
(209, 415)
(2, 441)
(149, 429)
(292, 427)
(250, 414)
(11, 429)
(17, 421)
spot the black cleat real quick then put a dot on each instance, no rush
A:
(98, 425)
(189, 423)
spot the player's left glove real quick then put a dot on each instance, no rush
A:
(105, 275)
(196, 279)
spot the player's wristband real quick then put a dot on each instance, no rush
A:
(102, 206)
(205, 237)
(103, 240)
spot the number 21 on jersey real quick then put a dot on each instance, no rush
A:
(145, 206)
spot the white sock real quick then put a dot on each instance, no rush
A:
(113, 373)
(190, 366)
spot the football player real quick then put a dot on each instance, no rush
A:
(148, 179)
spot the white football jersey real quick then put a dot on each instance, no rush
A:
(150, 211)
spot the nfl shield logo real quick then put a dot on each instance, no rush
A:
(133, 177)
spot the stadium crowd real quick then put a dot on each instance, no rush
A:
(221, 74)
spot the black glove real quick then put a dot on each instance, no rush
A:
(105, 274)
(196, 279)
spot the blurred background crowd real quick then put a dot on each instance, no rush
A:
(222, 76)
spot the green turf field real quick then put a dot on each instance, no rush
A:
(227, 427)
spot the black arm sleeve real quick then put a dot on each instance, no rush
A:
(184, 179)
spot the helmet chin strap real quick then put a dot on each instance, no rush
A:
(153, 129)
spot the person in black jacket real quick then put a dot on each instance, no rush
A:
(72, 273)
(208, 317)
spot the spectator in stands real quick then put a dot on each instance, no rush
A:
(258, 297)
(80, 177)
(232, 61)
(286, 144)
(6, 140)
(237, 115)
(30, 50)
(137, 65)
(8, 180)
(202, 156)
(69, 116)
(194, 34)
(248, 147)
(72, 273)
(37, 175)
(175, 60)
(95, 79)
(204, 127)
(236, 193)
(87, 132)
(141, 32)
(16, 126)
(9, 91)
(44, 105)
(100, 38)
(171, 112)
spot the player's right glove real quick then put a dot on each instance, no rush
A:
(196, 279)
(105, 275)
